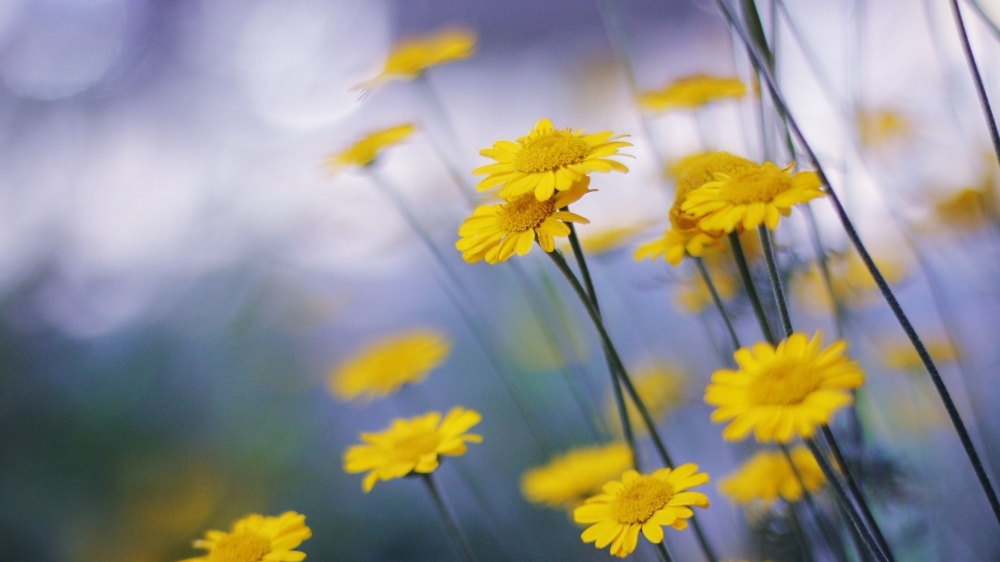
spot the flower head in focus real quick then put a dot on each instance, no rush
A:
(411, 57)
(257, 539)
(496, 232)
(364, 152)
(641, 502)
(749, 197)
(784, 392)
(548, 160)
(381, 368)
(692, 92)
(411, 445)
(768, 475)
(568, 479)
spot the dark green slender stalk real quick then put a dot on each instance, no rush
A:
(664, 553)
(800, 534)
(748, 285)
(707, 279)
(887, 294)
(432, 106)
(458, 539)
(824, 269)
(984, 100)
(829, 535)
(772, 272)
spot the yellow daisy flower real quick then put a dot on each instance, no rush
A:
(381, 368)
(257, 539)
(646, 502)
(497, 232)
(750, 197)
(364, 152)
(411, 57)
(677, 243)
(784, 392)
(692, 92)
(411, 445)
(768, 475)
(902, 356)
(852, 283)
(575, 475)
(661, 386)
(548, 160)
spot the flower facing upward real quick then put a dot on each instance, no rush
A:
(257, 539)
(692, 92)
(768, 475)
(641, 502)
(365, 151)
(411, 57)
(750, 197)
(411, 445)
(384, 366)
(548, 160)
(497, 232)
(784, 392)
(574, 476)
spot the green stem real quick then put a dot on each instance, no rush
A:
(664, 553)
(984, 100)
(751, 289)
(772, 273)
(707, 279)
(432, 106)
(800, 534)
(458, 539)
(829, 535)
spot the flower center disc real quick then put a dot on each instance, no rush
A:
(242, 547)
(782, 382)
(415, 445)
(525, 212)
(550, 151)
(640, 500)
(755, 185)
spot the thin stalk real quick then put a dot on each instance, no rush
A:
(581, 262)
(992, 25)
(772, 272)
(706, 277)
(984, 100)
(800, 534)
(664, 553)
(433, 107)
(458, 539)
(887, 294)
(829, 535)
(748, 285)
(824, 269)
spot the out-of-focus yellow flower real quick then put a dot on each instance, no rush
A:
(881, 127)
(972, 208)
(661, 386)
(548, 160)
(383, 367)
(411, 445)
(693, 296)
(785, 392)
(257, 539)
(575, 475)
(692, 92)
(364, 152)
(641, 502)
(411, 57)
(852, 284)
(609, 239)
(902, 356)
(768, 475)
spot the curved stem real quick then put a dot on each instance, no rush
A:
(459, 540)
(707, 279)
(984, 100)
(751, 289)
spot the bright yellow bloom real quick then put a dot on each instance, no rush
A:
(496, 232)
(784, 392)
(575, 475)
(411, 445)
(646, 502)
(768, 475)
(381, 368)
(364, 152)
(677, 243)
(902, 356)
(257, 539)
(852, 284)
(411, 57)
(548, 160)
(750, 197)
(661, 386)
(692, 92)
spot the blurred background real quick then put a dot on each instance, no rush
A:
(179, 272)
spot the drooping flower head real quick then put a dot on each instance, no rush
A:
(784, 392)
(411, 57)
(496, 232)
(548, 160)
(749, 197)
(256, 538)
(364, 152)
(572, 477)
(381, 368)
(768, 475)
(411, 445)
(646, 502)
(692, 92)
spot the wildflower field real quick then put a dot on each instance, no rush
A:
(676, 280)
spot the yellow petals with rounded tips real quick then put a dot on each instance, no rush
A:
(256, 538)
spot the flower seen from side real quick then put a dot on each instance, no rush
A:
(548, 160)
(768, 475)
(747, 198)
(568, 479)
(785, 392)
(411, 57)
(692, 92)
(411, 445)
(641, 502)
(257, 538)
(496, 232)
(383, 367)
(364, 152)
